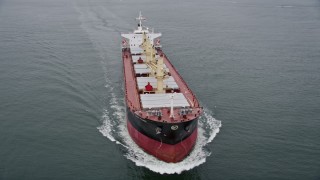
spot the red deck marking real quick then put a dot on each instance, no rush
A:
(132, 95)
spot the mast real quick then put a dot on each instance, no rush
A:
(171, 105)
(160, 75)
(140, 18)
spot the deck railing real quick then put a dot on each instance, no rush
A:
(137, 97)
(194, 100)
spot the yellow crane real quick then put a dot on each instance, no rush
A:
(155, 64)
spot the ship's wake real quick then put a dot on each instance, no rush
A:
(115, 128)
(96, 22)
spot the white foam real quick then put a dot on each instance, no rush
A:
(208, 128)
(212, 125)
(140, 158)
(285, 6)
(106, 128)
(114, 127)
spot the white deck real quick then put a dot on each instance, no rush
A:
(143, 81)
(140, 66)
(141, 69)
(163, 100)
(143, 57)
(144, 69)
(144, 66)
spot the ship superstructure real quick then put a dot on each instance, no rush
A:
(162, 112)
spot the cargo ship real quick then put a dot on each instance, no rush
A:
(162, 112)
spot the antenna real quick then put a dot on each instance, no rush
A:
(171, 110)
(140, 18)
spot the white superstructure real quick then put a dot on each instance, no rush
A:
(135, 38)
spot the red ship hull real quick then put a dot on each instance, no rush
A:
(166, 152)
(162, 111)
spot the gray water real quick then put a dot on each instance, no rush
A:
(254, 65)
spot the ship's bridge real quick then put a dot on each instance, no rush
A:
(134, 40)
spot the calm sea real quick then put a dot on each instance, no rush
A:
(253, 64)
